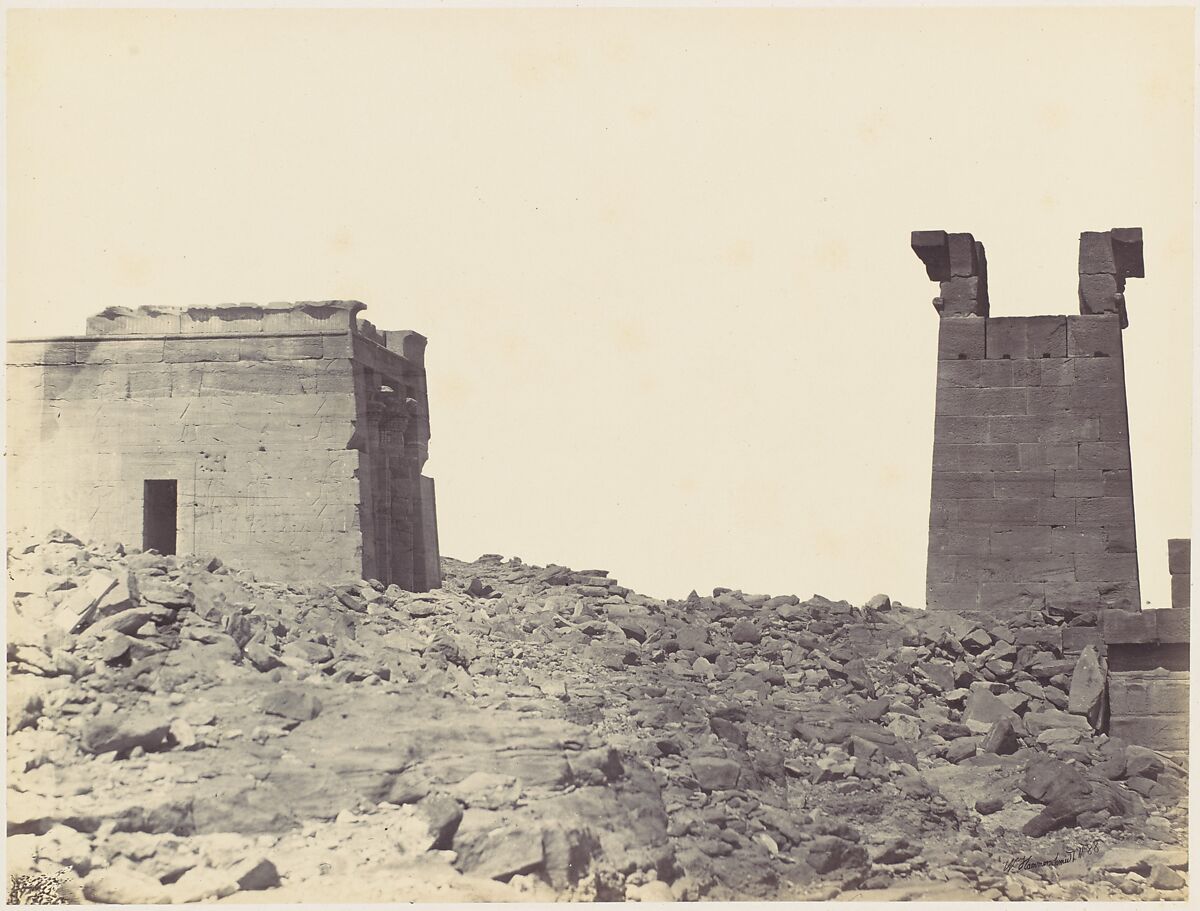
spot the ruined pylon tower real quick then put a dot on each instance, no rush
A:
(287, 439)
(1032, 500)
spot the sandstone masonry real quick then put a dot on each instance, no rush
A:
(288, 439)
(1148, 664)
(1032, 497)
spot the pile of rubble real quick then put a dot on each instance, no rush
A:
(179, 731)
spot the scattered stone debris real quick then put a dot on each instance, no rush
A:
(180, 731)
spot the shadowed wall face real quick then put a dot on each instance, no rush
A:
(1032, 498)
(286, 439)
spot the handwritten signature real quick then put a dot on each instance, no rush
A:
(1024, 862)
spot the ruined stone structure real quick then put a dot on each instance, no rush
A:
(1148, 665)
(1148, 676)
(287, 439)
(1032, 498)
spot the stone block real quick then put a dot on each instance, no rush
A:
(998, 512)
(945, 456)
(120, 351)
(1050, 400)
(1119, 595)
(996, 373)
(1072, 539)
(1020, 540)
(1104, 511)
(1179, 555)
(1069, 428)
(1015, 428)
(1118, 483)
(962, 338)
(1172, 624)
(933, 248)
(1105, 567)
(246, 378)
(1096, 253)
(1045, 336)
(941, 567)
(1100, 294)
(1124, 627)
(281, 348)
(1056, 511)
(962, 296)
(194, 350)
(1057, 371)
(149, 384)
(340, 345)
(32, 353)
(83, 382)
(1025, 372)
(1076, 638)
(1032, 484)
(1048, 455)
(1158, 732)
(1113, 428)
(985, 456)
(223, 319)
(1104, 454)
(959, 373)
(1072, 598)
(311, 316)
(1006, 337)
(1099, 371)
(962, 254)
(1119, 539)
(1127, 252)
(981, 401)
(1088, 399)
(1034, 568)
(949, 428)
(942, 513)
(1181, 591)
(1074, 482)
(962, 484)
(954, 596)
(1024, 596)
(1148, 693)
(1094, 336)
(959, 541)
(330, 382)
(1045, 371)
(142, 321)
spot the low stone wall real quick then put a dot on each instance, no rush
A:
(1148, 676)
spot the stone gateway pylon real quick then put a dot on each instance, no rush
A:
(1032, 498)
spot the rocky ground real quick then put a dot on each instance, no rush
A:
(180, 731)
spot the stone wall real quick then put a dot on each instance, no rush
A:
(1032, 499)
(1148, 675)
(267, 418)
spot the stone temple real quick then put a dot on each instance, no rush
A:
(286, 439)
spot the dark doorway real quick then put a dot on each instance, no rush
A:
(159, 508)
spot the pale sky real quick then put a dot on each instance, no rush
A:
(661, 256)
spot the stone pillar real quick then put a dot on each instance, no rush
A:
(399, 539)
(428, 536)
(1032, 498)
(1179, 562)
